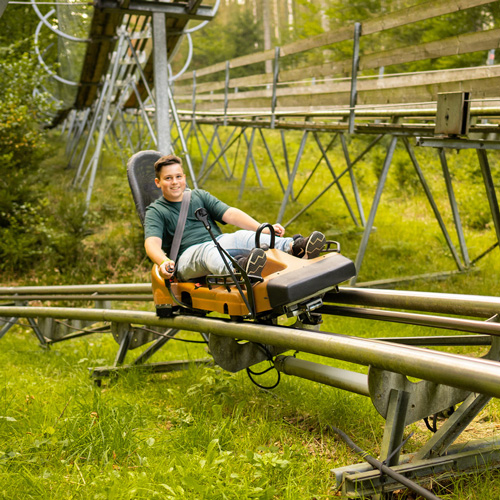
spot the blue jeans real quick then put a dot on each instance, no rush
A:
(200, 260)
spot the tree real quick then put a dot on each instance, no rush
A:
(22, 147)
(14, 31)
(464, 21)
(220, 42)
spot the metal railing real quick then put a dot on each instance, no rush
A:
(477, 375)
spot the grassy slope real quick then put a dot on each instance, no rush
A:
(205, 433)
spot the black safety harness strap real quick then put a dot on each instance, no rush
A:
(181, 223)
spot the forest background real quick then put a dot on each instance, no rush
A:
(43, 231)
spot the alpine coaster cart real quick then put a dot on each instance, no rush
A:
(288, 285)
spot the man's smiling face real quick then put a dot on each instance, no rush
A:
(172, 182)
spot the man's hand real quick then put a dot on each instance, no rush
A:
(167, 268)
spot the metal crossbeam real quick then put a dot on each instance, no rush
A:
(173, 10)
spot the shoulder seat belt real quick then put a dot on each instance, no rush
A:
(181, 223)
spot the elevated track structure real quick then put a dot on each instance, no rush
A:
(362, 101)
(446, 380)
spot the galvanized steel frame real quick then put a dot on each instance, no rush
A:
(462, 260)
(216, 147)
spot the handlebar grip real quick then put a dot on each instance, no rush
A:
(259, 230)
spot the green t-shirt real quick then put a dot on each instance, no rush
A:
(162, 215)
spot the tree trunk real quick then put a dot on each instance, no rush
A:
(325, 22)
(266, 25)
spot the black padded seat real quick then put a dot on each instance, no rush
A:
(141, 177)
(302, 283)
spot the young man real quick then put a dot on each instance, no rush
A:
(198, 255)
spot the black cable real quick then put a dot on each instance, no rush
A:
(107, 331)
(250, 372)
(97, 329)
(433, 427)
(383, 468)
(171, 337)
(447, 413)
(262, 372)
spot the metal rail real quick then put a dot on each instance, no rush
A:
(466, 305)
(93, 296)
(459, 304)
(328, 375)
(131, 288)
(454, 304)
(476, 375)
(459, 324)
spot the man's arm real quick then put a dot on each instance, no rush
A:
(158, 256)
(238, 218)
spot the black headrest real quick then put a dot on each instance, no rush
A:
(141, 177)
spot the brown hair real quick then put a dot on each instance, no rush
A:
(165, 161)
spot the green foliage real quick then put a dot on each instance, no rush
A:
(238, 30)
(442, 27)
(22, 148)
(15, 31)
(67, 229)
(51, 239)
(215, 43)
(22, 111)
(308, 21)
(42, 225)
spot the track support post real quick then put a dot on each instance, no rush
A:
(401, 403)
(394, 426)
(354, 76)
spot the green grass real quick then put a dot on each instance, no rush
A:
(202, 433)
(199, 434)
(205, 433)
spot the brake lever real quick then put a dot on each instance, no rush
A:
(202, 215)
